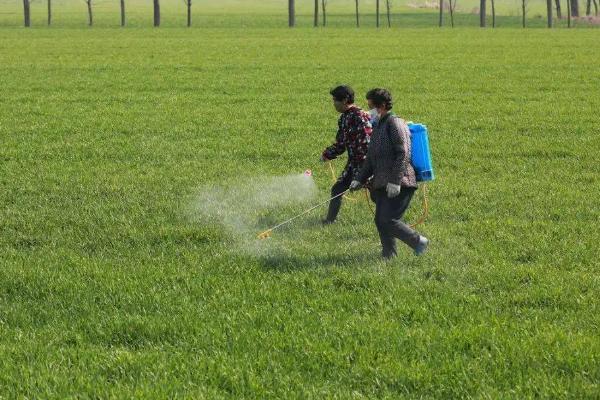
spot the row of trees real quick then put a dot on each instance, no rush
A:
(572, 11)
(320, 6)
(89, 4)
(323, 4)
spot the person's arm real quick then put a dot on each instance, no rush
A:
(366, 171)
(361, 132)
(337, 148)
(398, 134)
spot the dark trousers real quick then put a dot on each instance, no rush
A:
(340, 186)
(388, 214)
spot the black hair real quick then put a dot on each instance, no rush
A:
(343, 93)
(380, 97)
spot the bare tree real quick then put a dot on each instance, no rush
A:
(588, 8)
(568, 13)
(156, 7)
(27, 13)
(452, 7)
(595, 8)
(524, 11)
(549, 11)
(324, 9)
(122, 12)
(494, 13)
(441, 13)
(49, 12)
(316, 13)
(291, 13)
(357, 15)
(482, 13)
(388, 6)
(575, 8)
(558, 11)
(188, 5)
(377, 12)
(89, 10)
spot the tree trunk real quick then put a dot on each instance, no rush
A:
(357, 15)
(588, 8)
(27, 13)
(549, 10)
(441, 13)
(156, 12)
(389, 18)
(90, 16)
(291, 13)
(377, 13)
(324, 9)
(482, 13)
(494, 13)
(316, 22)
(558, 11)
(595, 8)
(568, 13)
(575, 8)
(189, 12)
(452, 5)
(524, 9)
(49, 12)
(122, 12)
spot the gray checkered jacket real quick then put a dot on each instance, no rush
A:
(388, 157)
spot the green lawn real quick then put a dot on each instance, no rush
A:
(109, 288)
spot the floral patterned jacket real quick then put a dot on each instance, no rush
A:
(353, 136)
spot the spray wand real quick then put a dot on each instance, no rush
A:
(266, 234)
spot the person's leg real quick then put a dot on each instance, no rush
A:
(340, 186)
(394, 224)
(382, 211)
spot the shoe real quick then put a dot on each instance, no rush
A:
(388, 257)
(421, 246)
(326, 222)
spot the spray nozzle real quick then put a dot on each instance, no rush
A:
(265, 235)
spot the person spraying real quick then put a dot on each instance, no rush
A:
(394, 182)
(353, 136)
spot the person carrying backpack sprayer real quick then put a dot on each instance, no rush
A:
(354, 132)
(394, 180)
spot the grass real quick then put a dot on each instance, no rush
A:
(107, 290)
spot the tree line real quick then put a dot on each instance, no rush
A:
(323, 11)
(90, 13)
(320, 11)
(450, 5)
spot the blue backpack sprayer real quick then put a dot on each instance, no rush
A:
(421, 162)
(420, 153)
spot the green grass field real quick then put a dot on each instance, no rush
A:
(108, 289)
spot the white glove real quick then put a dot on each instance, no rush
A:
(355, 185)
(393, 190)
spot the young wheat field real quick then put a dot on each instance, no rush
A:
(138, 164)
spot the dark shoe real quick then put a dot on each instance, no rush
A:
(388, 255)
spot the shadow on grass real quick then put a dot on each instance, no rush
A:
(290, 262)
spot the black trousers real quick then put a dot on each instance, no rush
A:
(388, 219)
(340, 186)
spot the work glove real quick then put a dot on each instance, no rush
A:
(393, 190)
(355, 185)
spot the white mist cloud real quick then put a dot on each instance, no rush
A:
(246, 208)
